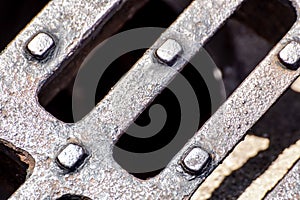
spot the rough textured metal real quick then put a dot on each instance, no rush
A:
(169, 51)
(290, 55)
(289, 186)
(195, 160)
(40, 45)
(71, 157)
(22, 119)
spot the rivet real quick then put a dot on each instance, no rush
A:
(40, 45)
(71, 157)
(169, 51)
(290, 55)
(195, 160)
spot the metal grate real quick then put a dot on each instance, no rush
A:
(76, 160)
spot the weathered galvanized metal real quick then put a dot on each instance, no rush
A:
(54, 37)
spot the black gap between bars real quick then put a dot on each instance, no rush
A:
(14, 16)
(13, 169)
(153, 14)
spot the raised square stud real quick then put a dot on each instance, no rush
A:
(169, 51)
(40, 45)
(290, 55)
(71, 157)
(195, 160)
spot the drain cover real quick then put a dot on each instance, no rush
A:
(84, 150)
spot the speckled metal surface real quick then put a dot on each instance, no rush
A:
(288, 187)
(27, 125)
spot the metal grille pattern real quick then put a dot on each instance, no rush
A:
(54, 37)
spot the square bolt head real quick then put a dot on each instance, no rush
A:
(169, 51)
(290, 55)
(40, 45)
(195, 160)
(71, 157)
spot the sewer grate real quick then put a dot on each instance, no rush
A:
(72, 25)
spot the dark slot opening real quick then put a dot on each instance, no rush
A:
(153, 14)
(73, 197)
(15, 166)
(248, 36)
(14, 16)
(128, 143)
